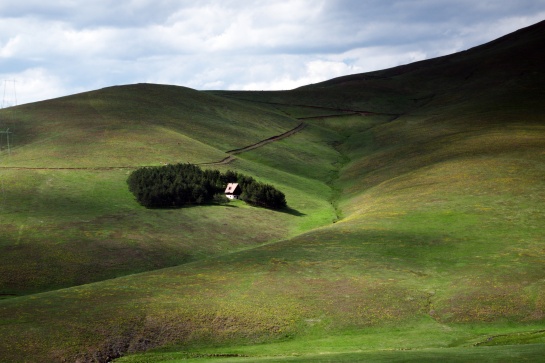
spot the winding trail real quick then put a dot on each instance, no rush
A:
(270, 139)
(261, 143)
(345, 111)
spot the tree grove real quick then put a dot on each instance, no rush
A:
(186, 184)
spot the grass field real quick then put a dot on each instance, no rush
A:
(414, 228)
(527, 353)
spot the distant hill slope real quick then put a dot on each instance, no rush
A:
(509, 66)
(139, 124)
(416, 222)
(512, 55)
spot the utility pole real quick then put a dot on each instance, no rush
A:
(9, 99)
(7, 132)
(10, 95)
(3, 194)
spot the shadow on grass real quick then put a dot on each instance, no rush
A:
(286, 210)
(293, 212)
(189, 206)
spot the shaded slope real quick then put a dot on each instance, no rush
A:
(489, 72)
(510, 56)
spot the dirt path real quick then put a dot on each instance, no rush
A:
(224, 161)
(69, 168)
(233, 152)
(270, 139)
(347, 112)
(337, 115)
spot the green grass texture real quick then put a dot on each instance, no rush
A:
(413, 233)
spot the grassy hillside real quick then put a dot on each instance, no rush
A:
(134, 125)
(67, 217)
(414, 234)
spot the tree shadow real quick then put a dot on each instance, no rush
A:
(293, 212)
(226, 205)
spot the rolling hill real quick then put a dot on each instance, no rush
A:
(414, 229)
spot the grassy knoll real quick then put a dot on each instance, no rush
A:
(414, 232)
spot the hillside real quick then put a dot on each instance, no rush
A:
(414, 229)
(67, 215)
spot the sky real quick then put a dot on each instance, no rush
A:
(56, 48)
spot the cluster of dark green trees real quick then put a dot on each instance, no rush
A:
(185, 184)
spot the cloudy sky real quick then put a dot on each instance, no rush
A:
(55, 48)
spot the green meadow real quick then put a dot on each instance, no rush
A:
(413, 231)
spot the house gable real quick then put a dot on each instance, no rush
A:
(233, 191)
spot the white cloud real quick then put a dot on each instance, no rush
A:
(479, 33)
(63, 47)
(31, 85)
(280, 74)
(9, 48)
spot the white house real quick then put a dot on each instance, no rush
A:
(233, 191)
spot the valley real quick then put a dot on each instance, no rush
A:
(413, 229)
